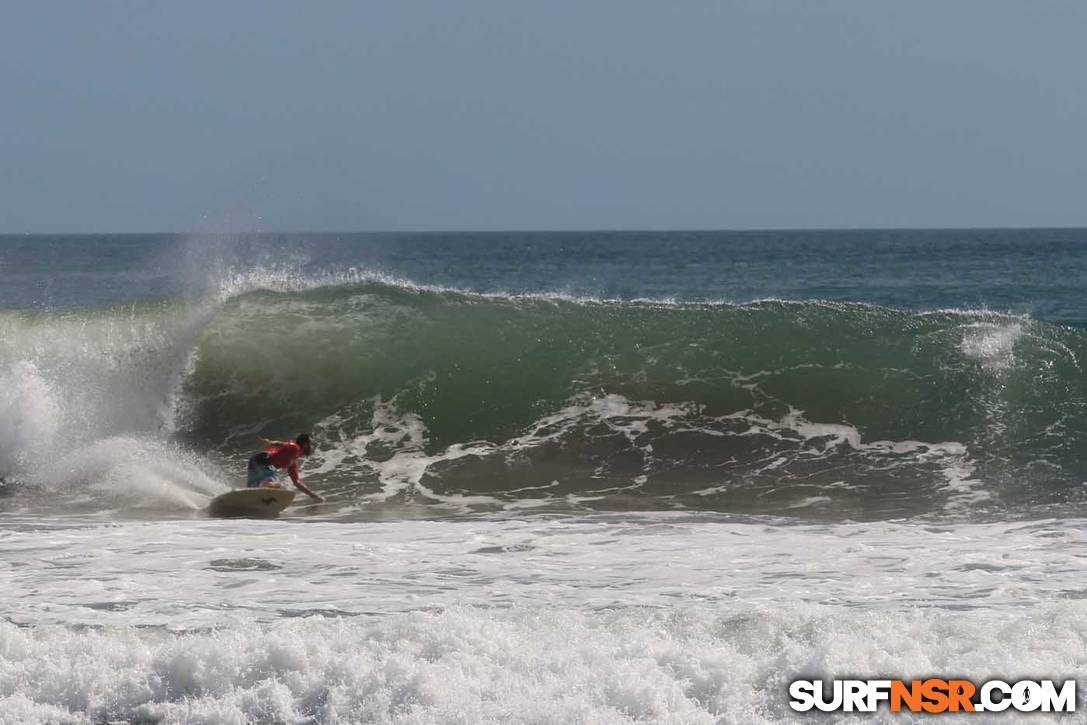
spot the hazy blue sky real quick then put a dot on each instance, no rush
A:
(206, 116)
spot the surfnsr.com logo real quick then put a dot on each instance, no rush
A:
(933, 695)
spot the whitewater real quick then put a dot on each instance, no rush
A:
(609, 478)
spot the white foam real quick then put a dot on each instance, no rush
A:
(403, 472)
(65, 576)
(661, 618)
(405, 433)
(951, 457)
(535, 665)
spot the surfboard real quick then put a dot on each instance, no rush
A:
(257, 502)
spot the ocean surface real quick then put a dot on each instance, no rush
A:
(570, 477)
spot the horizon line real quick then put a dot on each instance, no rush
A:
(590, 230)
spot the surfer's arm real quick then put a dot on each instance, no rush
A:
(308, 491)
(292, 471)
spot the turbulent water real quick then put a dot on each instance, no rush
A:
(579, 477)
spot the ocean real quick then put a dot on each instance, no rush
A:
(574, 477)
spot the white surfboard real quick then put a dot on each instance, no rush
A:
(262, 502)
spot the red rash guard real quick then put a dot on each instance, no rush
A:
(285, 455)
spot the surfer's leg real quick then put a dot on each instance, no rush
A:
(260, 471)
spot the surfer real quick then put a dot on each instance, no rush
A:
(280, 454)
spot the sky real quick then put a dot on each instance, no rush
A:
(269, 115)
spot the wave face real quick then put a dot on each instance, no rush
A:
(451, 400)
(770, 407)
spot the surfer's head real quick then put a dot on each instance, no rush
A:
(305, 443)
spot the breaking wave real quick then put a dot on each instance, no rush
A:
(432, 397)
